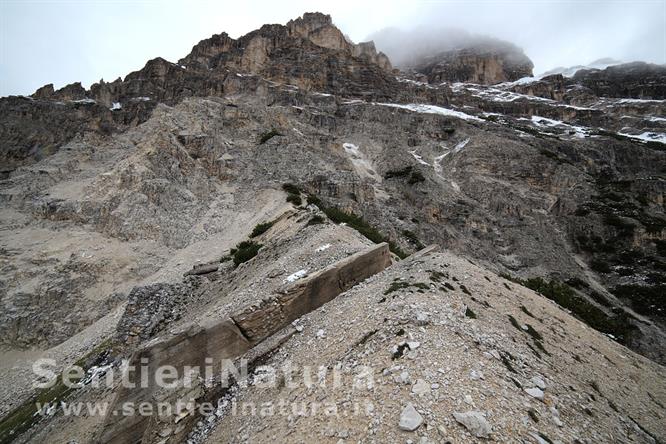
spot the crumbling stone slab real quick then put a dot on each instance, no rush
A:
(231, 337)
(257, 323)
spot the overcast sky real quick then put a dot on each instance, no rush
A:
(61, 42)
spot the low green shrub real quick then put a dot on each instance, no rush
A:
(315, 220)
(268, 135)
(261, 228)
(245, 251)
(399, 285)
(23, 417)
(411, 236)
(294, 199)
(600, 266)
(398, 173)
(416, 177)
(617, 325)
(644, 299)
(290, 188)
(357, 223)
(619, 222)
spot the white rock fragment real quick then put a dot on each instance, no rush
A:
(535, 392)
(556, 417)
(421, 318)
(321, 333)
(538, 439)
(296, 276)
(420, 387)
(537, 381)
(402, 378)
(475, 422)
(410, 419)
(475, 375)
(344, 434)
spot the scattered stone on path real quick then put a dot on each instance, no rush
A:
(410, 419)
(535, 392)
(475, 422)
(420, 387)
(537, 381)
(475, 375)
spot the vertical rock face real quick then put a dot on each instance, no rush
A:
(71, 92)
(44, 92)
(319, 29)
(550, 87)
(368, 51)
(487, 64)
(637, 80)
(203, 51)
(309, 52)
(268, 50)
(453, 55)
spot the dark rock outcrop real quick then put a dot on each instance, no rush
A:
(453, 55)
(636, 80)
(484, 64)
(309, 52)
(549, 87)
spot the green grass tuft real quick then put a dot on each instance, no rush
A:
(290, 188)
(315, 220)
(357, 223)
(245, 251)
(294, 199)
(268, 135)
(261, 228)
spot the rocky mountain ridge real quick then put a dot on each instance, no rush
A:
(111, 195)
(453, 55)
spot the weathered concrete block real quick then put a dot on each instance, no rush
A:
(220, 339)
(189, 348)
(257, 323)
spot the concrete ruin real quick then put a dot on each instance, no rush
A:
(210, 342)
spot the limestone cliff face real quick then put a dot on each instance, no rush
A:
(368, 51)
(637, 80)
(309, 53)
(260, 51)
(319, 29)
(550, 87)
(453, 55)
(488, 64)
(206, 49)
